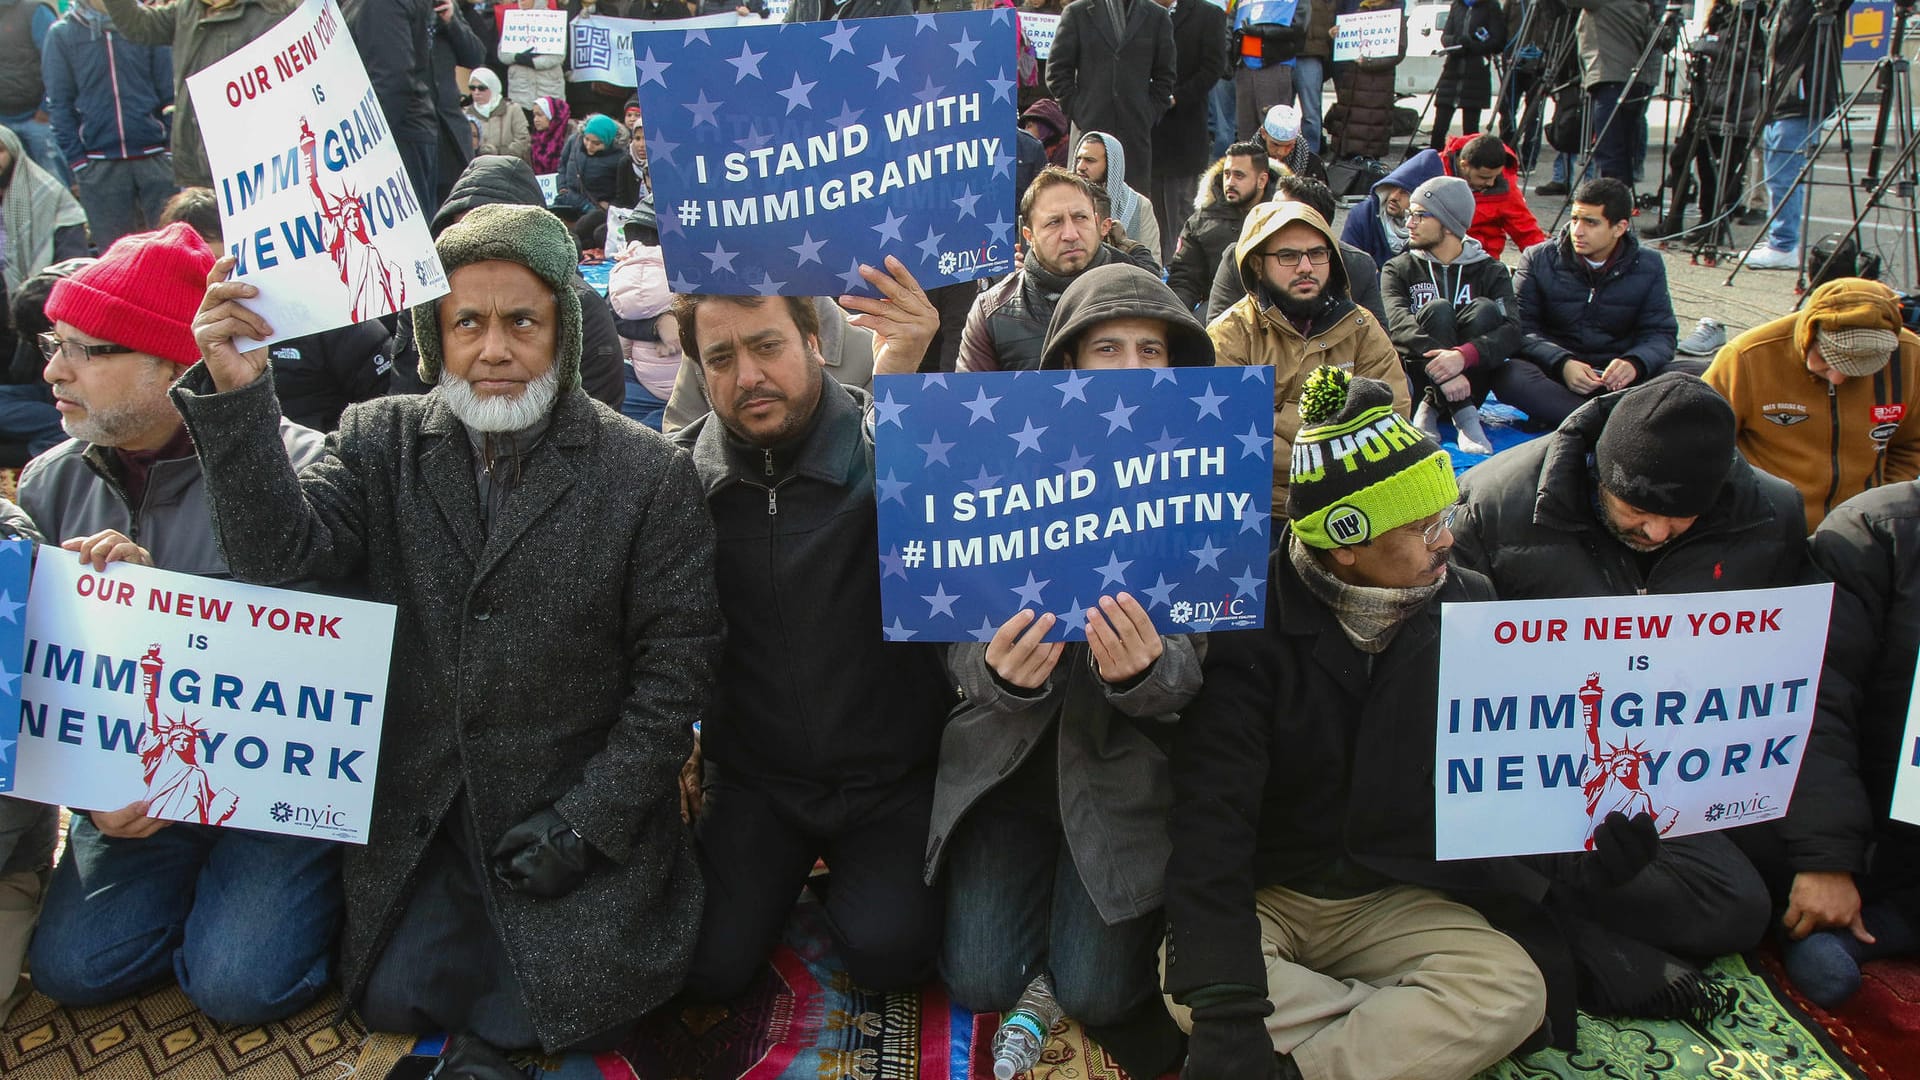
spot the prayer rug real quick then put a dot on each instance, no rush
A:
(161, 1036)
(1879, 1027)
(1502, 425)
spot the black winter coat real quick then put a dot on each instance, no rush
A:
(1006, 328)
(1210, 233)
(558, 659)
(1120, 85)
(394, 42)
(812, 706)
(1181, 145)
(454, 46)
(1477, 32)
(1531, 525)
(1301, 749)
(319, 375)
(1840, 803)
(1571, 312)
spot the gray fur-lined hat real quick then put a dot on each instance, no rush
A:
(529, 236)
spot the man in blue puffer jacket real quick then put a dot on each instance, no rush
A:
(107, 101)
(1378, 224)
(1594, 309)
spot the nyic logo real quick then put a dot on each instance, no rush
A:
(1206, 613)
(954, 262)
(311, 818)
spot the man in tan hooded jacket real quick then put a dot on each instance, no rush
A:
(1298, 315)
(1828, 398)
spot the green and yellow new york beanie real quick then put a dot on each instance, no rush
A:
(1359, 468)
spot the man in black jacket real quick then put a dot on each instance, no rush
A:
(1450, 311)
(1641, 492)
(454, 46)
(1180, 139)
(823, 738)
(395, 40)
(1845, 872)
(1312, 933)
(1235, 184)
(1060, 221)
(1595, 313)
(1112, 70)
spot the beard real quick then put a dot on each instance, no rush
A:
(6, 174)
(1300, 307)
(1633, 541)
(495, 412)
(144, 411)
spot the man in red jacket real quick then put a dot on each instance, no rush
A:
(1499, 199)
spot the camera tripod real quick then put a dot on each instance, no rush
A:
(1520, 112)
(1716, 136)
(1892, 79)
(1659, 42)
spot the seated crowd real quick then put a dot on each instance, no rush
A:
(1219, 847)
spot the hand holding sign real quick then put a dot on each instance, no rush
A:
(108, 546)
(1122, 638)
(903, 322)
(222, 320)
(1019, 652)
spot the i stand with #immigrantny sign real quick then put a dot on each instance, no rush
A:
(217, 703)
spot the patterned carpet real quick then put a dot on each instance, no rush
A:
(802, 1020)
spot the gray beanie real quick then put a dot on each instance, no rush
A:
(1450, 201)
(529, 236)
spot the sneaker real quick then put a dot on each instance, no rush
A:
(1707, 337)
(1750, 215)
(1763, 257)
(1551, 187)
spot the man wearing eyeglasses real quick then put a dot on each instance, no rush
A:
(1450, 310)
(1298, 314)
(244, 920)
(1312, 932)
(1641, 491)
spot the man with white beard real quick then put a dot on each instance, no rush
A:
(244, 920)
(527, 879)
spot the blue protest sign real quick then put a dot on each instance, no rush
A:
(785, 156)
(1050, 489)
(16, 566)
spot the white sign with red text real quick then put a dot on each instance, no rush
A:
(316, 206)
(215, 702)
(1693, 708)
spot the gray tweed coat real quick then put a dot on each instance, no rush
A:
(559, 660)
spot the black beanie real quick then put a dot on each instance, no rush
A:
(1667, 447)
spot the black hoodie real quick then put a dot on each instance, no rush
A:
(496, 178)
(1123, 291)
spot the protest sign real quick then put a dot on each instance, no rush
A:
(603, 47)
(536, 30)
(219, 703)
(1693, 708)
(1367, 35)
(1039, 29)
(549, 186)
(16, 558)
(1906, 777)
(1047, 490)
(783, 157)
(315, 204)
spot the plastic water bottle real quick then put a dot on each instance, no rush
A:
(1023, 1032)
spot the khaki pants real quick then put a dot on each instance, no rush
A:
(1398, 983)
(19, 909)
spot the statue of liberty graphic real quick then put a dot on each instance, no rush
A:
(177, 784)
(1611, 778)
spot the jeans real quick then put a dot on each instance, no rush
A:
(124, 195)
(37, 137)
(1016, 907)
(1220, 107)
(27, 415)
(1788, 142)
(1309, 79)
(640, 405)
(244, 920)
(1619, 111)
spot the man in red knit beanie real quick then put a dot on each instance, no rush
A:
(244, 920)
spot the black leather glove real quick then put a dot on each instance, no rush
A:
(542, 856)
(1621, 849)
(1230, 1042)
(524, 58)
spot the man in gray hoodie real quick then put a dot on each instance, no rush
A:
(1450, 311)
